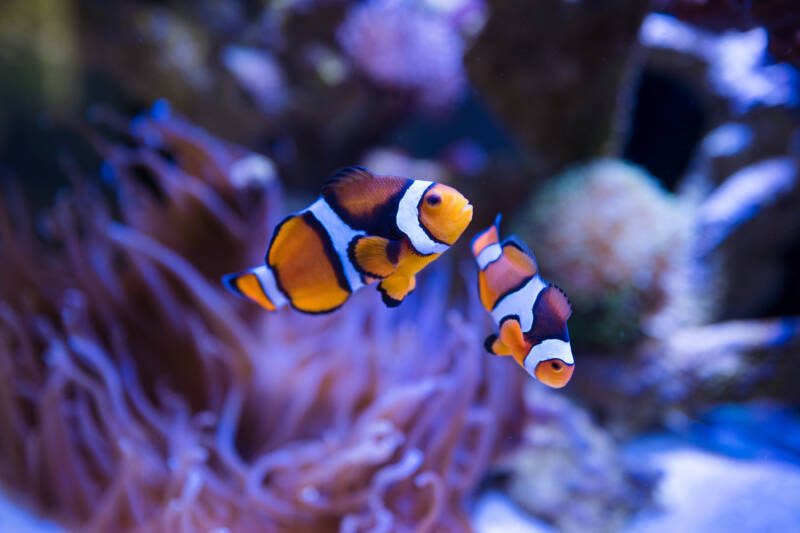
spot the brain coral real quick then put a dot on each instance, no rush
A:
(616, 241)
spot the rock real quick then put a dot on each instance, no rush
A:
(708, 493)
(569, 471)
(495, 513)
(532, 63)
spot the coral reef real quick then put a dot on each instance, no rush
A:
(391, 41)
(702, 491)
(616, 240)
(648, 152)
(780, 18)
(135, 397)
(567, 458)
(647, 270)
(746, 162)
(738, 69)
(546, 54)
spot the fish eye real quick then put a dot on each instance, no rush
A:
(433, 200)
(556, 366)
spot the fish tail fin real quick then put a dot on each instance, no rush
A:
(486, 238)
(257, 285)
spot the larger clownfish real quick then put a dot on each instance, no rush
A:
(363, 228)
(530, 314)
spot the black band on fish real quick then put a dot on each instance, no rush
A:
(490, 340)
(388, 300)
(275, 233)
(548, 323)
(381, 219)
(330, 251)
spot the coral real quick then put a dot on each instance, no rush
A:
(646, 270)
(569, 471)
(738, 67)
(401, 44)
(614, 239)
(746, 162)
(749, 190)
(780, 18)
(135, 397)
(256, 71)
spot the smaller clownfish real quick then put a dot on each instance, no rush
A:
(530, 314)
(363, 228)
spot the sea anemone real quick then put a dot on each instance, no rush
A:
(137, 395)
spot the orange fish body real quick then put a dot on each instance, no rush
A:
(531, 315)
(364, 228)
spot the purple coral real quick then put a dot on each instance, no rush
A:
(402, 45)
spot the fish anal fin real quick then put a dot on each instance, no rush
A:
(395, 288)
(375, 257)
(495, 346)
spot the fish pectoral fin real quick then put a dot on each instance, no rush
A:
(375, 257)
(395, 288)
(511, 336)
(495, 346)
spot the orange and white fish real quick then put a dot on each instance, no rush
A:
(530, 314)
(363, 228)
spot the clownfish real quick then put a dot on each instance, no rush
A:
(530, 314)
(363, 228)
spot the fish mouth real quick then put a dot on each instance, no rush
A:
(457, 223)
(554, 373)
(466, 213)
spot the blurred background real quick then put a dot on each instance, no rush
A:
(647, 151)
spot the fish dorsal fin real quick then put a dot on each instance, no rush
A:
(556, 301)
(364, 200)
(486, 238)
(520, 256)
(347, 178)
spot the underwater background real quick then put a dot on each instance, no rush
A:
(648, 152)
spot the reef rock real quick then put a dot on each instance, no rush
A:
(569, 472)
(703, 492)
(532, 63)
